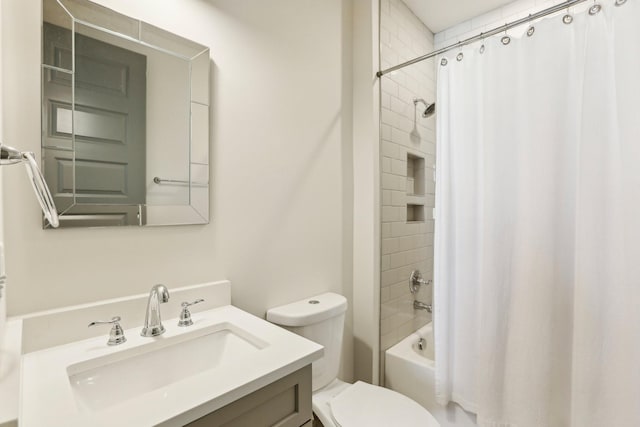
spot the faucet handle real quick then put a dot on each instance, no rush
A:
(116, 335)
(185, 314)
(188, 304)
(415, 280)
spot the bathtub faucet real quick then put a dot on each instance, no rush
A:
(417, 305)
(422, 344)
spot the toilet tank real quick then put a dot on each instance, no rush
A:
(321, 320)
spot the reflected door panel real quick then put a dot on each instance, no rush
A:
(109, 124)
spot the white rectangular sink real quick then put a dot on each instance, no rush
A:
(98, 383)
(170, 380)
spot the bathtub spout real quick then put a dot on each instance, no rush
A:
(417, 305)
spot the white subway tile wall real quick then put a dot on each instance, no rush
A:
(407, 155)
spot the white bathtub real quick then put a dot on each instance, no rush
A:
(411, 371)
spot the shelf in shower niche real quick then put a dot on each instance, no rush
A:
(416, 199)
(415, 213)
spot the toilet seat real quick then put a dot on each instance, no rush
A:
(363, 404)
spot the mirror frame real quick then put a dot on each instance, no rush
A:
(88, 14)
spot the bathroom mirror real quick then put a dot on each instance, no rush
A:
(125, 119)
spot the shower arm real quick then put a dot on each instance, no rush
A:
(416, 100)
(12, 156)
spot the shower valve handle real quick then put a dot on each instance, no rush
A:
(415, 280)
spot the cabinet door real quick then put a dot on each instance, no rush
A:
(283, 403)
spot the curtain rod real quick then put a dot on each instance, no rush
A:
(497, 30)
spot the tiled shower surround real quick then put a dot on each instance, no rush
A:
(408, 159)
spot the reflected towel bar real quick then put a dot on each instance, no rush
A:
(159, 180)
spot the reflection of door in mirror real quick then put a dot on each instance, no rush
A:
(110, 131)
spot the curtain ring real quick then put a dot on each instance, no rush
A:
(505, 39)
(595, 8)
(481, 50)
(531, 28)
(460, 55)
(567, 18)
(620, 2)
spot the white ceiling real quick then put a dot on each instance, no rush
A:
(439, 15)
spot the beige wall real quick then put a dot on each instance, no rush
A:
(366, 160)
(281, 196)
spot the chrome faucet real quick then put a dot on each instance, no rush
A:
(417, 305)
(152, 321)
(422, 344)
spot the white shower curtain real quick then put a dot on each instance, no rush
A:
(537, 251)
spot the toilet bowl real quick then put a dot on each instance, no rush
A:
(336, 403)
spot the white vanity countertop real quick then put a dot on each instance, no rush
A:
(48, 399)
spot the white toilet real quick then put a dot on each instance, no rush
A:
(336, 403)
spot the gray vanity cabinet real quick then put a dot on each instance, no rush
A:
(283, 403)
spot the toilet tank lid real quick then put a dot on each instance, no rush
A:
(309, 310)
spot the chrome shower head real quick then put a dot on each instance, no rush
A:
(430, 108)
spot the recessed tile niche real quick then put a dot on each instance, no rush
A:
(415, 213)
(415, 175)
(415, 188)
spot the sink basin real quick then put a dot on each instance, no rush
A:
(168, 381)
(108, 380)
